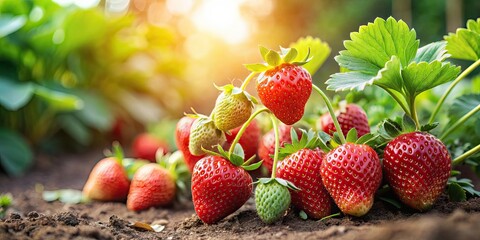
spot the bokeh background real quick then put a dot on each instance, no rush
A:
(81, 73)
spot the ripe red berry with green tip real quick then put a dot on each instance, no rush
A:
(145, 146)
(249, 140)
(182, 138)
(266, 147)
(219, 188)
(107, 181)
(417, 167)
(302, 168)
(204, 134)
(351, 173)
(151, 186)
(232, 108)
(350, 116)
(285, 90)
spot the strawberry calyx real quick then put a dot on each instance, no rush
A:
(281, 181)
(389, 129)
(230, 89)
(308, 140)
(237, 157)
(130, 165)
(274, 59)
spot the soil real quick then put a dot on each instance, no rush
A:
(31, 217)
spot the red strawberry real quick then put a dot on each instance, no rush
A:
(108, 181)
(182, 138)
(145, 146)
(219, 188)
(152, 186)
(352, 116)
(249, 140)
(301, 167)
(285, 90)
(352, 174)
(267, 144)
(417, 166)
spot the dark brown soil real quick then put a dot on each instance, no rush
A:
(31, 217)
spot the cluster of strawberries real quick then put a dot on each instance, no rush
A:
(309, 170)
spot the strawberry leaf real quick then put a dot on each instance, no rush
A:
(428, 127)
(263, 51)
(238, 150)
(462, 105)
(465, 43)
(290, 54)
(352, 135)
(431, 52)
(456, 193)
(314, 47)
(366, 138)
(408, 124)
(256, 67)
(252, 166)
(273, 58)
(419, 77)
(373, 45)
(349, 81)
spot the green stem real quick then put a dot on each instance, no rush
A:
(243, 128)
(450, 88)
(398, 100)
(277, 144)
(465, 155)
(413, 113)
(247, 80)
(460, 121)
(332, 113)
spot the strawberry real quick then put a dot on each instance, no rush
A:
(249, 140)
(350, 116)
(204, 134)
(232, 108)
(182, 138)
(283, 86)
(272, 199)
(267, 144)
(145, 146)
(351, 173)
(417, 167)
(151, 186)
(301, 166)
(220, 184)
(107, 181)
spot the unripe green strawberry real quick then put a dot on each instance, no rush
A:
(272, 200)
(232, 108)
(204, 134)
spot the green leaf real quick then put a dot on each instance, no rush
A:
(252, 166)
(14, 95)
(389, 129)
(366, 138)
(290, 55)
(273, 58)
(428, 127)
(462, 105)
(465, 43)
(408, 124)
(390, 76)
(419, 77)
(10, 24)
(96, 112)
(349, 63)
(70, 196)
(456, 193)
(256, 67)
(352, 135)
(263, 51)
(132, 165)
(15, 154)
(377, 42)
(319, 51)
(238, 150)
(58, 100)
(431, 52)
(392, 201)
(348, 81)
(303, 215)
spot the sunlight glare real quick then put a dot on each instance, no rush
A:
(222, 19)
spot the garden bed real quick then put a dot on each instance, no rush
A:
(31, 217)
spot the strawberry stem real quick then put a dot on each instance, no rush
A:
(460, 122)
(243, 128)
(413, 113)
(450, 88)
(247, 80)
(398, 100)
(277, 144)
(332, 113)
(465, 155)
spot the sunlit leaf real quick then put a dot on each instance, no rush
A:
(349, 81)
(14, 95)
(58, 100)
(419, 77)
(15, 154)
(10, 24)
(465, 43)
(319, 51)
(431, 52)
